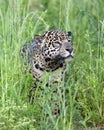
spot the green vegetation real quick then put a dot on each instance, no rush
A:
(84, 81)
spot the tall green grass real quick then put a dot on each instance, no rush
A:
(84, 80)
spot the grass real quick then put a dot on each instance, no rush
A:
(84, 81)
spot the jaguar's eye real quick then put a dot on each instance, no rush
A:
(56, 44)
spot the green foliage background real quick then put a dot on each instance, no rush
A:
(19, 21)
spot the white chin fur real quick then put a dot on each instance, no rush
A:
(68, 59)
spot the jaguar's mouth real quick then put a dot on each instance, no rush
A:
(69, 58)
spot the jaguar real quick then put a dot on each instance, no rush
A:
(47, 53)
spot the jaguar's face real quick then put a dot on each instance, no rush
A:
(57, 44)
(66, 51)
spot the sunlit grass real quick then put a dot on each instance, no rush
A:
(83, 101)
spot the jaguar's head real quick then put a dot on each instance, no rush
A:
(56, 44)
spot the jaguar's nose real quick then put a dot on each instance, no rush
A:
(69, 50)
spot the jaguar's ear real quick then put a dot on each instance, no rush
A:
(38, 39)
(69, 33)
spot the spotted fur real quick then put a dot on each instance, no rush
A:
(49, 53)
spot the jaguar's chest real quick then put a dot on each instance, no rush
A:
(46, 64)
